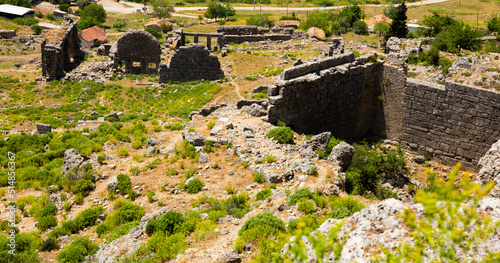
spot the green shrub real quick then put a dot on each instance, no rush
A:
(309, 221)
(37, 30)
(122, 152)
(165, 246)
(88, 217)
(236, 205)
(170, 222)
(368, 168)
(125, 185)
(283, 135)
(194, 186)
(46, 222)
(262, 195)
(150, 196)
(307, 206)
(301, 194)
(78, 199)
(174, 126)
(49, 210)
(258, 178)
(77, 251)
(101, 158)
(50, 244)
(263, 219)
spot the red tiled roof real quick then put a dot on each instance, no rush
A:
(378, 18)
(94, 33)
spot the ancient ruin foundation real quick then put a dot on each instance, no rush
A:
(358, 98)
(60, 48)
(193, 62)
(139, 50)
(240, 34)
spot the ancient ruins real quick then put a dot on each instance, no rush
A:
(240, 34)
(358, 98)
(139, 50)
(193, 62)
(60, 49)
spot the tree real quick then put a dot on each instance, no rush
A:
(219, 10)
(23, 3)
(82, 4)
(494, 24)
(320, 20)
(435, 24)
(398, 27)
(381, 27)
(351, 13)
(360, 28)
(162, 8)
(94, 11)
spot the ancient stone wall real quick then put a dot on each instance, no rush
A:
(60, 49)
(191, 62)
(7, 33)
(335, 94)
(354, 99)
(452, 123)
(139, 50)
(240, 34)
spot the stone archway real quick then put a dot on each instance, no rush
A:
(139, 51)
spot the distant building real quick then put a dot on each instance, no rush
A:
(375, 20)
(13, 11)
(413, 27)
(93, 36)
(46, 11)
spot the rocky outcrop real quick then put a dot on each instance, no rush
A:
(194, 138)
(317, 142)
(230, 256)
(489, 167)
(342, 155)
(71, 159)
(128, 244)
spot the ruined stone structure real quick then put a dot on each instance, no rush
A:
(139, 50)
(43, 128)
(358, 98)
(60, 49)
(193, 62)
(7, 33)
(239, 34)
(180, 38)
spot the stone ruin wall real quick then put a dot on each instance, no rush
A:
(191, 62)
(240, 34)
(452, 123)
(7, 33)
(354, 99)
(59, 48)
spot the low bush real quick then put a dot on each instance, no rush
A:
(77, 251)
(263, 219)
(307, 206)
(150, 196)
(165, 246)
(283, 135)
(46, 222)
(343, 207)
(50, 244)
(194, 186)
(258, 178)
(170, 223)
(262, 195)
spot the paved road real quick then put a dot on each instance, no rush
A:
(272, 8)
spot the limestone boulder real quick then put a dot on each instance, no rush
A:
(194, 138)
(230, 256)
(317, 33)
(256, 110)
(489, 169)
(71, 159)
(342, 155)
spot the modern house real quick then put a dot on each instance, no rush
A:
(13, 11)
(93, 36)
(375, 20)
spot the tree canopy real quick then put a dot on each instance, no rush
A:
(162, 8)
(219, 10)
(398, 26)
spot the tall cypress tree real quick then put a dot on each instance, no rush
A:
(398, 27)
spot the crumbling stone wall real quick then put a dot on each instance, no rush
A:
(354, 99)
(139, 50)
(335, 94)
(7, 33)
(191, 62)
(240, 34)
(60, 49)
